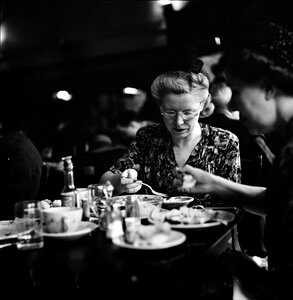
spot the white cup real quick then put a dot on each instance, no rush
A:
(61, 219)
(29, 225)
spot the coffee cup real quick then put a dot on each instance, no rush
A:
(61, 219)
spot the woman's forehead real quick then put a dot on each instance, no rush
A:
(183, 99)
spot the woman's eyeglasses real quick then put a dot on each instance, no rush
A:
(186, 115)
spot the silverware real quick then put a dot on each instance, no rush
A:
(6, 245)
(153, 191)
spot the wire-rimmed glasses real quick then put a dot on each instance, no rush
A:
(186, 115)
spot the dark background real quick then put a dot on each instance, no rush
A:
(95, 48)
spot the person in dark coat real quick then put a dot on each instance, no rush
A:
(20, 169)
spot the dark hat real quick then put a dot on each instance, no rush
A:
(276, 43)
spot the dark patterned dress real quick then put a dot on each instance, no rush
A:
(152, 155)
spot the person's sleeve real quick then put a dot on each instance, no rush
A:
(229, 165)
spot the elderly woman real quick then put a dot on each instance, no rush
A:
(262, 82)
(183, 97)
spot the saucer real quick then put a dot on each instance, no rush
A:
(8, 229)
(84, 229)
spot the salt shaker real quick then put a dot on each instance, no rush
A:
(114, 220)
(132, 218)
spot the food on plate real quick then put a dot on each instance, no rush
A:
(47, 203)
(183, 180)
(188, 181)
(57, 203)
(184, 215)
(150, 234)
(179, 199)
(130, 173)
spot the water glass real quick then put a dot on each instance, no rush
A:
(96, 197)
(29, 225)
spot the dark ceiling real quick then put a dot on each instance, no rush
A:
(51, 42)
(107, 44)
(98, 47)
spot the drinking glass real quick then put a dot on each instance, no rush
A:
(29, 225)
(96, 198)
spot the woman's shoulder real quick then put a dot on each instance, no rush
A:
(217, 131)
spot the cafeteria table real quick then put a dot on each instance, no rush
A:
(92, 264)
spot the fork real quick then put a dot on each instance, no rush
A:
(153, 191)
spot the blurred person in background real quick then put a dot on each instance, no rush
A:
(159, 149)
(261, 78)
(223, 116)
(20, 166)
(128, 122)
(227, 117)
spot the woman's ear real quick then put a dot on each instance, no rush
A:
(207, 108)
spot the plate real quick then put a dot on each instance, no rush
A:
(176, 201)
(84, 229)
(8, 229)
(175, 238)
(190, 226)
(213, 218)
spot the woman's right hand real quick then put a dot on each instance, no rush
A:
(128, 182)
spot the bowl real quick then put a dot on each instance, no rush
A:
(61, 219)
(148, 204)
(176, 202)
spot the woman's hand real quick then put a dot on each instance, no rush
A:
(128, 182)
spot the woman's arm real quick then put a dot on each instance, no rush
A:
(249, 197)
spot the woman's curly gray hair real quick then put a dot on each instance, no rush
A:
(182, 82)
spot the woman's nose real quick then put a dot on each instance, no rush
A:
(179, 119)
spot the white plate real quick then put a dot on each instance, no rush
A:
(84, 229)
(8, 229)
(220, 217)
(189, 226)
(175, 238)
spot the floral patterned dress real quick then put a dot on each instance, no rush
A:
(152, 155)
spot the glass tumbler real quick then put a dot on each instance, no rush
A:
(29, 225)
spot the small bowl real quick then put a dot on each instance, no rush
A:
(176, 202)
(148, 204)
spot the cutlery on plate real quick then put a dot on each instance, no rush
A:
(6, 245)
(153, 191)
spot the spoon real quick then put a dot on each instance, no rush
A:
(153, 191)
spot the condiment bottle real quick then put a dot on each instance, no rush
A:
(132, 218)
(68, 193)
(108, 189)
